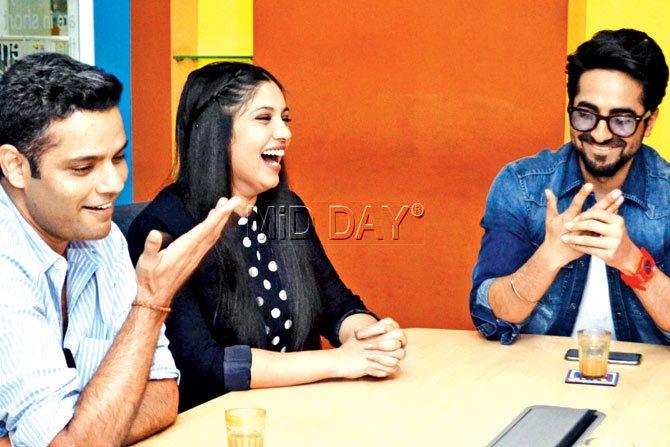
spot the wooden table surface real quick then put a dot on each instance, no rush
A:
(455, 389)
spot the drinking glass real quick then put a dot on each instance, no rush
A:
(594, 347)
(245, 427)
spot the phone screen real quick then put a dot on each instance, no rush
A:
(621, 358)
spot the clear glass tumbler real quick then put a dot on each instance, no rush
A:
(594, 348)
(245, 427)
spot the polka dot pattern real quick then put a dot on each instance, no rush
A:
(265, 281)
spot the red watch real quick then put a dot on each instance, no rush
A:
(645, 271)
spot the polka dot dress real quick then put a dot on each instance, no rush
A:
(271, 298)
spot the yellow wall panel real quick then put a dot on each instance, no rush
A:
(576, 35)
(206, 28)
(183, 40)
(225, 27)
(650, 16)
(577, 24)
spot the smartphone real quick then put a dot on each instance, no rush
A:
(618, 358)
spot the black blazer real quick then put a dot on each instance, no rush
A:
(210, 358)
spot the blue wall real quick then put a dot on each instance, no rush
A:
(111, 21)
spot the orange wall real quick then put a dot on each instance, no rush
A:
(150, 72)
(396, 102)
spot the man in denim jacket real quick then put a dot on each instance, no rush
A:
(580, 237)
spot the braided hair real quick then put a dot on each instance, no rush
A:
(209, 102)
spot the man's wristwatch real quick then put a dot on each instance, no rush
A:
(645, 271)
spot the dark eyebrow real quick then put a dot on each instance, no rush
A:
(87, 158)
(616, 111)
(623, 111)
(588, 105)
(269, 109)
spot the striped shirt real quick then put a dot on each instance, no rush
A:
(38, 392)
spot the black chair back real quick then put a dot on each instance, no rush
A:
(125, 214)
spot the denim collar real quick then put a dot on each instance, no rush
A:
(573, 178)
(634, 187)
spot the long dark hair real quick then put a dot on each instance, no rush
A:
(209, 102)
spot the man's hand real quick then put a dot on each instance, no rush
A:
(603, 234)
(117, 389)
(555, 223)
(513, 298)
(160, 273)
(4, 441)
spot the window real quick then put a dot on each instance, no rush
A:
(34, 26)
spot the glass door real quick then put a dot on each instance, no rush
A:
(35, 26)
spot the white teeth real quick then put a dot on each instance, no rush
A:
(277, 152)
(105, 206)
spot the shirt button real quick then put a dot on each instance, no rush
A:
(573, 306)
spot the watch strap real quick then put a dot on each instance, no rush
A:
(644, 272)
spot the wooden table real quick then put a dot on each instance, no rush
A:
(455, 389)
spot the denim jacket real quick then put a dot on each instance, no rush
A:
(514, 228)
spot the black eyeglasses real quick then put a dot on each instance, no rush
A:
(623, 126)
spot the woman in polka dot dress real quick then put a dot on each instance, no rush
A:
(253, 313)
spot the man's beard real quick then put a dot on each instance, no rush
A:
(600, 171)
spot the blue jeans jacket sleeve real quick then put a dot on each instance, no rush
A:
(506, 246)
(487, 323)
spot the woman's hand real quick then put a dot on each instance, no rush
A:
(376, 350)
(380, 332)
(355, 358)
(4, 441)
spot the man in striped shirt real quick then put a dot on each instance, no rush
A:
(83, 355)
